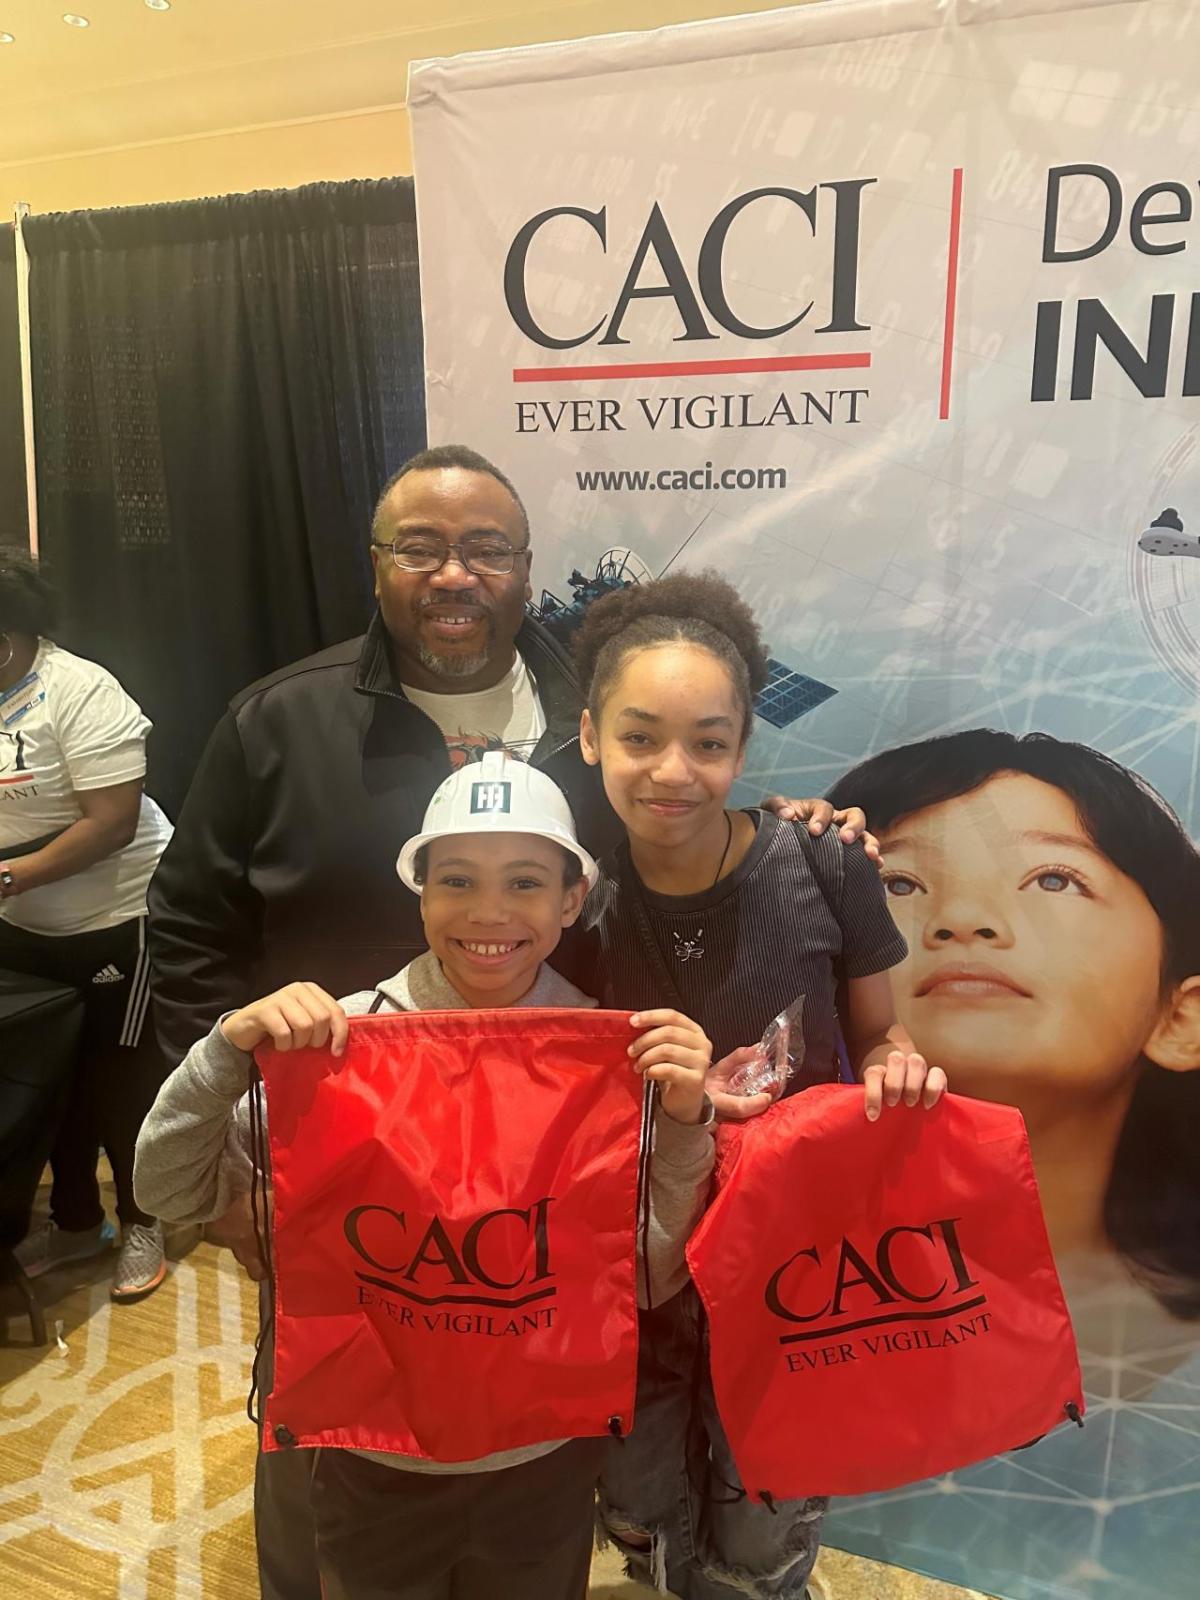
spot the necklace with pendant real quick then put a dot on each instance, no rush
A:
(692, 949)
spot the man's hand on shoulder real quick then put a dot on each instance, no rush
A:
(819, 815)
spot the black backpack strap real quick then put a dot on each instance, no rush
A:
(631, 885)
(14, 852)
(829, 869)
(380, 997)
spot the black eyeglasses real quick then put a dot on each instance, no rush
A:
(487, 555)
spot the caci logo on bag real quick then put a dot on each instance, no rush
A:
(910, 1288)
(489, 1275)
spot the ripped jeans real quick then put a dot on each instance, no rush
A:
(670, 1496)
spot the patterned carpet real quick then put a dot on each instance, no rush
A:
(126, 1457)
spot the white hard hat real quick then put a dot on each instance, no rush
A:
(497, 795)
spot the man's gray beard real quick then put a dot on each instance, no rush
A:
(452, 666)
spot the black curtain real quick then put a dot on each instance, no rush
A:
(220, 389)
(14, 523)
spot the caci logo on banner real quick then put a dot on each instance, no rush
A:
(889, 310)
(705, 311)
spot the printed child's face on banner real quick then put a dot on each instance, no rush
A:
(1033, 962)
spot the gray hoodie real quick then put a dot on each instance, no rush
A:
(193, 1156)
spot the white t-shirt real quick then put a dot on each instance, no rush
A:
(67, 727)
(507, 717)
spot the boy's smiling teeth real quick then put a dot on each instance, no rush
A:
(477, 949)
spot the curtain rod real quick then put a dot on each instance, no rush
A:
(20, 212)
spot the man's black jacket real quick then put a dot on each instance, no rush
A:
(283, 863)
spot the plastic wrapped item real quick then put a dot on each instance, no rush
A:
(778, 1055)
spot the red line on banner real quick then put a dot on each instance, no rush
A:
(671, 369)
(951, 291)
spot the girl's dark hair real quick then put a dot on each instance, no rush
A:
(1152, 1205)
(27, 602)
(687, 608)
(572, 867)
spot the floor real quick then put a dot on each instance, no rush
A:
(126, 1455)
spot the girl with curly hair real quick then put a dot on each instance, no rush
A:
(732, 916)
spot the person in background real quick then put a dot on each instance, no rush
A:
(79, 841)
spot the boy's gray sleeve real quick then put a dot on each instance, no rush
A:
(681, 1163)
(192, 1161)
(193, 1156)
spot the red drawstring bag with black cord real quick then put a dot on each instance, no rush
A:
(456, 1204)
(882, 1301)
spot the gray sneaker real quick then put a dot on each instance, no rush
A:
(142, 1264)
(50, 1246)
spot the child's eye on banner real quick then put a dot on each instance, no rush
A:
(900, 886)
(1057, 880)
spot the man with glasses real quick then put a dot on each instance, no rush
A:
(453, 642)
(285, 849)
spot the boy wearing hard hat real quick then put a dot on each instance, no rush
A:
(500, 873)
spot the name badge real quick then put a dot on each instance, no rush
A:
(21, 698)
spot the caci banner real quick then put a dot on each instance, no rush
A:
(890, 310)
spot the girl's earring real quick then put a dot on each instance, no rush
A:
(11, 649)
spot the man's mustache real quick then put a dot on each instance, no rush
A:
(446, 600)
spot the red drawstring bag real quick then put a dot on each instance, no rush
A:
(455, 1219)
(883, 1305)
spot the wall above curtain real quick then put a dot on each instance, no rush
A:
(147, 106)
(221, 387)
